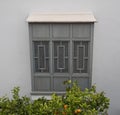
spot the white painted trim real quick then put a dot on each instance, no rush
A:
(61, 17)
(35, 97)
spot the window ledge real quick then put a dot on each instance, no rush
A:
(61, 17)
(36, 94)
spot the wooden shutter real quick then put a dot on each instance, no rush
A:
(59, 52)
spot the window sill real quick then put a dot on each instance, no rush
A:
(36, 94)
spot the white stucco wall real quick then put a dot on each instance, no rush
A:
(14, 43)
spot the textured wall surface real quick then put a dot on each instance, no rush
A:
(14, 43)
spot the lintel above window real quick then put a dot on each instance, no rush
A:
(61, 17)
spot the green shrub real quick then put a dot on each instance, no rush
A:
(15, 106)
(74, 102)
(88, 102)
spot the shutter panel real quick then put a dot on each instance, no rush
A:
(61, 34)
(61, 57)
(61, 31)
(41, 56)
(80, 57)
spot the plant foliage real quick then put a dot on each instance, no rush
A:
(73, 102)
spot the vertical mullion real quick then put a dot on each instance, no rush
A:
(90, 54)
(31, 56)
(51, 57)
(71, 53)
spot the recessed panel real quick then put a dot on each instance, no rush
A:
(41, 56)
(42, 83)
(81, 30)
(61, 57)
(41, 31)
(58, 83)
(83, 82)
(80, 56)
(61, 31)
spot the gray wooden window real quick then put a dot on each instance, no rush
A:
(59, 52)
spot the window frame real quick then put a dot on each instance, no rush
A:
(32, 61)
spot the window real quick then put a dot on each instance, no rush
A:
(60, 52)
